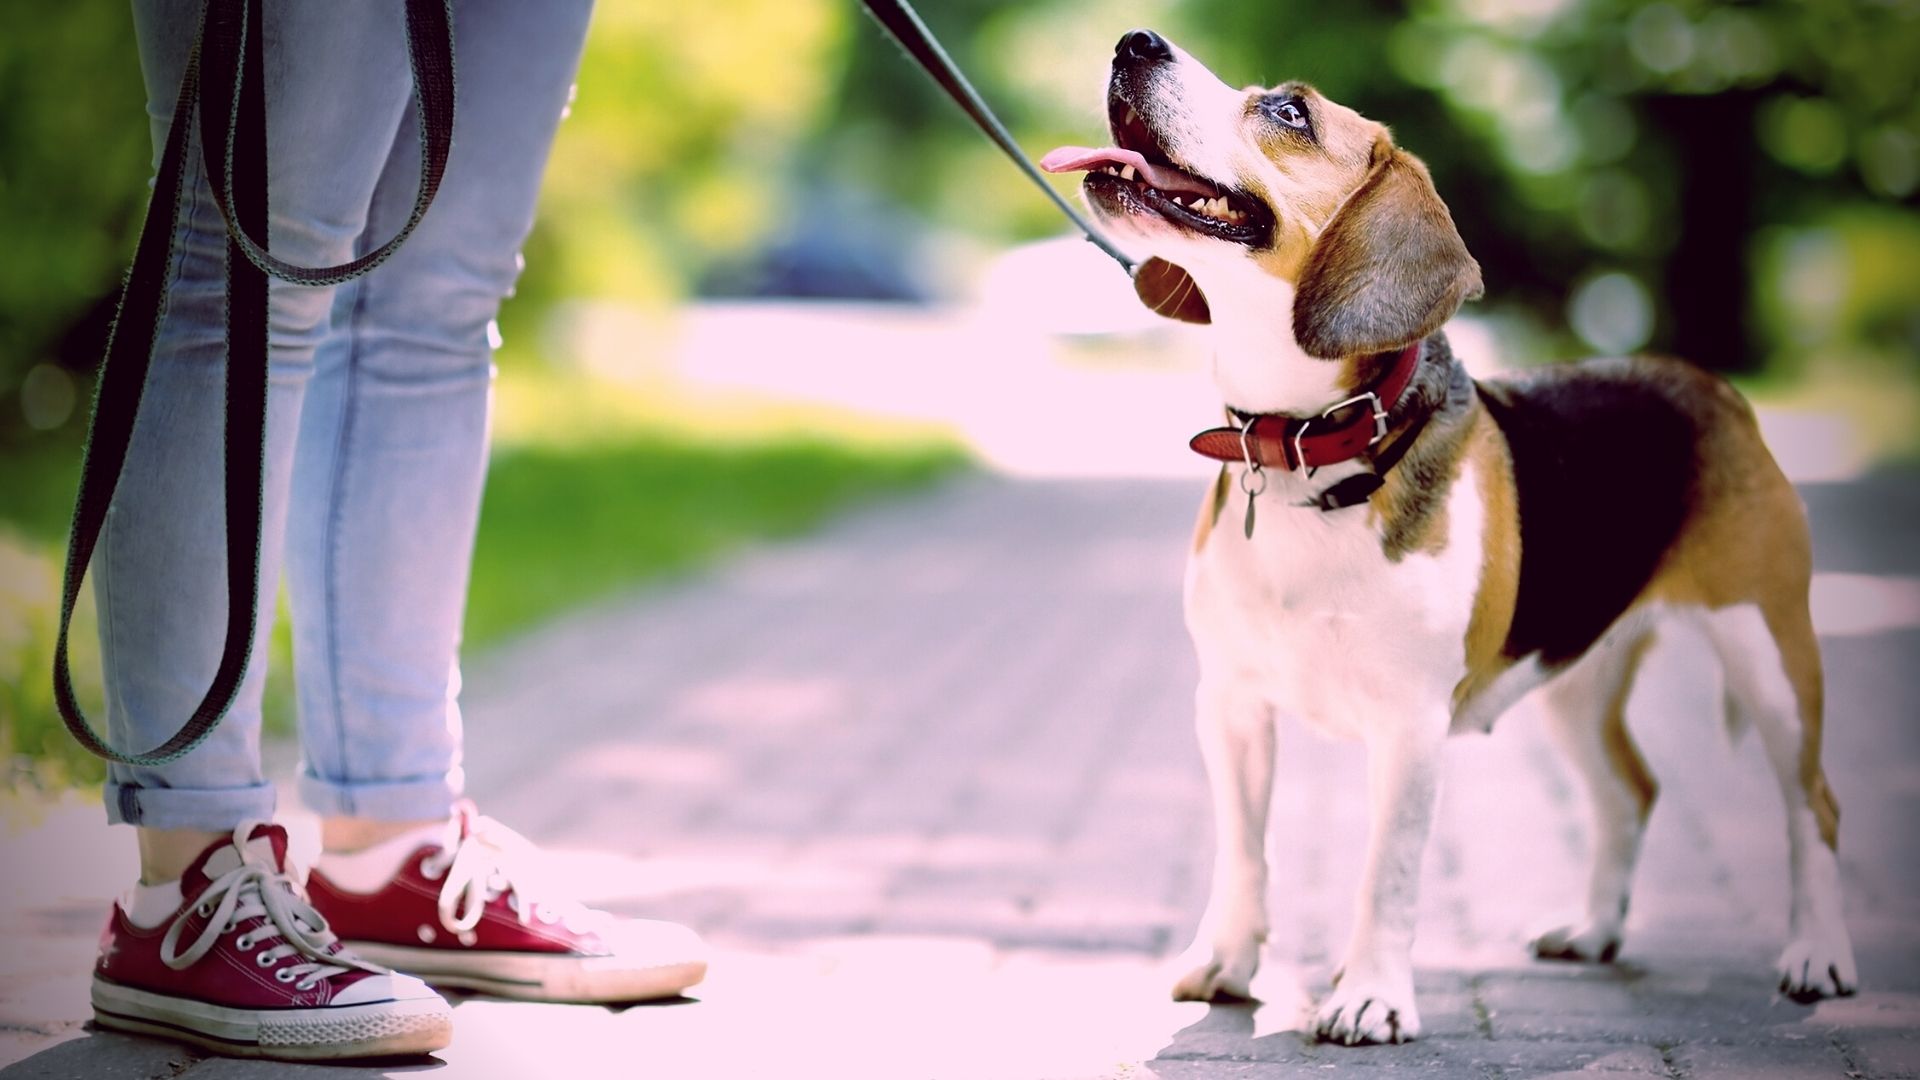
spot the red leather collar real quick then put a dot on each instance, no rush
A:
(1274, 440)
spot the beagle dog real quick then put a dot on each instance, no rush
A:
(1395, 551)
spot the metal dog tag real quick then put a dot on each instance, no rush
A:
(1253, 493)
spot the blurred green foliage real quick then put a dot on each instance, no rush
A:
(1620, 167)
(1735, 182)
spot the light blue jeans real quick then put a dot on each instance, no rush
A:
(376, 416)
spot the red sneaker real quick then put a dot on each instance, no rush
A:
(246, 968)
(465, 917)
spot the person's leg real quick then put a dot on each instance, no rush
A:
(388, 472)
(217, 945)
(393, 442)
(159, 574)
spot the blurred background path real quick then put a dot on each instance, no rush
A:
(927, 781)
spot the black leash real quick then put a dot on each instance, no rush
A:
(900, 20)
(224, 78)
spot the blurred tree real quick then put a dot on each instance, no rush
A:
(1614, 164)
(1654, 141)
(1633, 171)
(74, 158)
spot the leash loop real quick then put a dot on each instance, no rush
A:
(228, 53)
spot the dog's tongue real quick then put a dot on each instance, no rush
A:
(1088, 158)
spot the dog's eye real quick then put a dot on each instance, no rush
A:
(1290, 111)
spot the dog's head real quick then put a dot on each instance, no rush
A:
(1237, 188)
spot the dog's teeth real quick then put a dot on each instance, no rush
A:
(1126, 172)
(1177, 202)
(1132, 117)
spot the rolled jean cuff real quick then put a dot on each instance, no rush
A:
(423, 799)
(212, 809)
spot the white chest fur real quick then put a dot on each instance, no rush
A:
(1311, 616)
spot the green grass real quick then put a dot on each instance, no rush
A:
(562, 526)
(594, 489)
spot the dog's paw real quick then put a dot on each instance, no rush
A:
(1587, 944)
(1817, 966)
(1217, 980)
(1369, 1011)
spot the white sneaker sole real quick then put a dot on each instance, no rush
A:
(537, 977)
(373, 1029)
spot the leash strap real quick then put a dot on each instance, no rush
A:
(901, 21)
(224, 77)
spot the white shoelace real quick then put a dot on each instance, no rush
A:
(489, 861)
(257, 889)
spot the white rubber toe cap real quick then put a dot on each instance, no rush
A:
(389, 987)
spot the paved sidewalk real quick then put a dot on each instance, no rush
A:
(927, 780)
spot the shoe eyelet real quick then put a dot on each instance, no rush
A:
(285, 975)
(304, 987)
(264, 959)
(244, 943)
(203, 910)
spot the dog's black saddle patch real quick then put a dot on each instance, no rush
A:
(1605, 460)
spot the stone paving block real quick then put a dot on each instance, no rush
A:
(928, 780)
(1480, 1057)
(1449, 1014)
(1222, 1070)
(104, 1055)
(1716, 1010)
(373, 1069)
(1645, 1060)
(1812, 1061)
(1890, 1055)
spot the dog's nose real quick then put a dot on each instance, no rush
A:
(1144, 46)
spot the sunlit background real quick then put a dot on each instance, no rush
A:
(777, 276)
(769, 247)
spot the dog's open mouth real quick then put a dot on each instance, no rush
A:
(1135, 176)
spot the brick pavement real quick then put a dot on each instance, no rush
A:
(927, 781)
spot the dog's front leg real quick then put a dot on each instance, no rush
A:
(1372, 999)
(1236, 739)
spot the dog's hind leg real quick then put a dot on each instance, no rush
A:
(1772, 666)
(1236, 739)
(1586, 713)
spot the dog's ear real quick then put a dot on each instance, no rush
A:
(1169, 290)
(1388, 270)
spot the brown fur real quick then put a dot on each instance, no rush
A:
(1499, 588)
(1747, 542)
(1618, 741)
(1210, 509)
(1388, 270)
(1411, 509)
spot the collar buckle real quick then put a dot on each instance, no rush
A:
(1379, 413)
